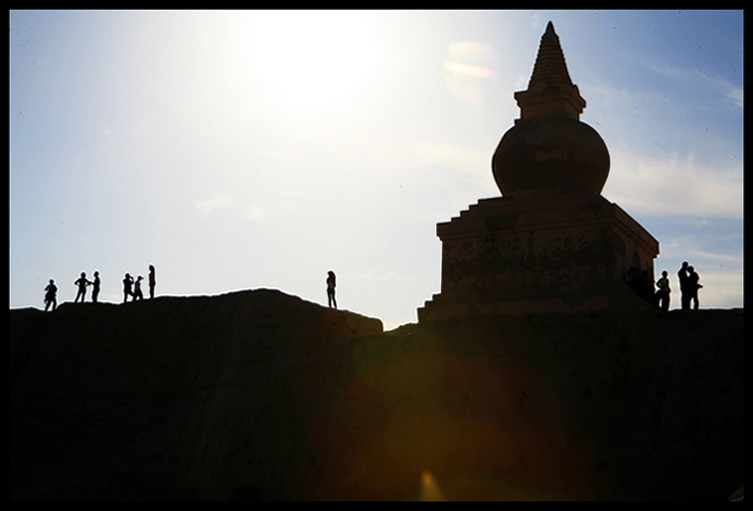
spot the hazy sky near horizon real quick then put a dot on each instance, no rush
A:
(259, 149)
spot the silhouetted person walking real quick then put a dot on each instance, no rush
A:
(693, 287)
(95, 287)
(50, 295)
(662, 295)
(81, 282)
(127, 285)
(683, 277)
(331, 283)
(152, 281)
(137, 294)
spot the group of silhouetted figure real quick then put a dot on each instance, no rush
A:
(641, 283)
(131, 288)
(636, 278)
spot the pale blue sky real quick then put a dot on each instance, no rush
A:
(244, 149)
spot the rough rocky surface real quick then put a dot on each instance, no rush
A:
(261, 395)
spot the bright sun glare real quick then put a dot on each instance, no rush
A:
(310, 58)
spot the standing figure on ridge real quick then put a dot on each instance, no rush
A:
(81, 282)
(96, 286)
(331, 283)
(127, 283)
(693, 287)
(683, 277)
(137, 294)
(152, 281)
(50, 296)
(662, 295)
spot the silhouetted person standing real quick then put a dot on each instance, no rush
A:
(693, 287)
(81, 282)
(50, 296)
(152, 281)
(137, 294)
(331, 283)
(662, 295)
(683, 277)
(127, 284)
(95, 287)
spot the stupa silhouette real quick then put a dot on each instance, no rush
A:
(551, 243)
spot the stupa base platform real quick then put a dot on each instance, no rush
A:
(542, 251)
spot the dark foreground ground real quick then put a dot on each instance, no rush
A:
(261, 395)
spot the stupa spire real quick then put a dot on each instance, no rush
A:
(550, 67)
(551, 92)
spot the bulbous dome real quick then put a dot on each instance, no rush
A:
(550, 152)
(549, 146)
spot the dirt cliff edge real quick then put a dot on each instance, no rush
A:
(262, 395)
